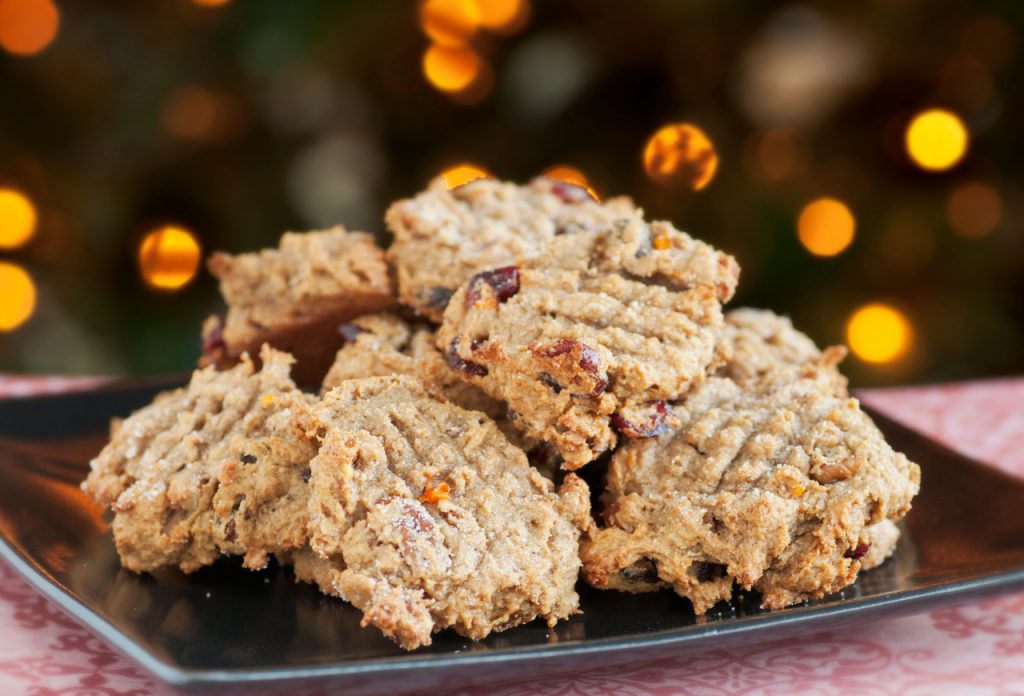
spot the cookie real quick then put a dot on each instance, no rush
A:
(385, 344)
(780, 483)
(595, 336)
(426, 517)
(294, 297)
(219, 466)
(443, 236)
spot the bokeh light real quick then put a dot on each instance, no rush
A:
(451, 69)
(503, 16)
(463, 174)
(197, 113)
(449, 22)
(571, 175)
(878, 333)
(974, 210)
(17, 296)
(778, 155)
(169, 257)
(681, 155)
(936, 139)
(211, 3)
(17, 219)
(826, 227)
(28, 26)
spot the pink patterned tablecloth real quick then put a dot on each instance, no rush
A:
(977, 648)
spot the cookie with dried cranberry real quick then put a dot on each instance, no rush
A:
(219, 466)
(425, 517)
(595, 337)
(295, 297)
(443, 236)
(776, 483)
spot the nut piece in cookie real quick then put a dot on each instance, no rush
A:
(779, 483)
(425, 517)
(443, 237)
(595, 336)
(295, 297)
(219, 466)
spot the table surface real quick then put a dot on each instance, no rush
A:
(975, 648)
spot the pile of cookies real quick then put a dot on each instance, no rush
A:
(393, 423)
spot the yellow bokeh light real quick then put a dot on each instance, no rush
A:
(878, 333)
(503, 16)
(17, 296)
(17, 219)
(449, 22)
(169, 257)
(451, 69)
(936, 139)
(28, 26)
(571, 175)
(826, 227)
(681, 155)
(463, 174)
(974, 210)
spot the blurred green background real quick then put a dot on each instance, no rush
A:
(237, 120)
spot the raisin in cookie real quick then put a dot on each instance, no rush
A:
(778, 483)
(596, 335)
(219, 466)
(294, 297)
(442, 236)
(425, 517)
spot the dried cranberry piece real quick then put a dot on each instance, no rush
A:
(570, 193)
(230, 533)
(306, 475)
(457, 362)
(859, 552)
(653, 424)
(350, 332)
(504, 283)
(248, 458)
(437, 298)
(213, 341)
(710, 571)
(588, 361)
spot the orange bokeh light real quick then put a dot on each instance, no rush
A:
(449, 22)
(18, 219)
(571, 175)
(974, 210)
(463, 174)
(681, 155)
(28, 26)
(17, 296)
(826, 227)
(451, 69)
(503, 16)
(196, 113)
(169, 257)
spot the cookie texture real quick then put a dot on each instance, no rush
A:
(758, 342)
(779, 483)
(595, 336)
(294, 297)
(219, 466)
(424, 517)
(443, 236)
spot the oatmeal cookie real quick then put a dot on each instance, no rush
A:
(595, 336)
(219, 466)
(294, 297)
(779, 483)
(425, 517)
(442, 236)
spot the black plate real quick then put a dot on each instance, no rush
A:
(223, 624)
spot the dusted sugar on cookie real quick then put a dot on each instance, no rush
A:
(443, 237)
(425, 517)
(295, 297)
(780, 483)
(595, 336)
(219, 466)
